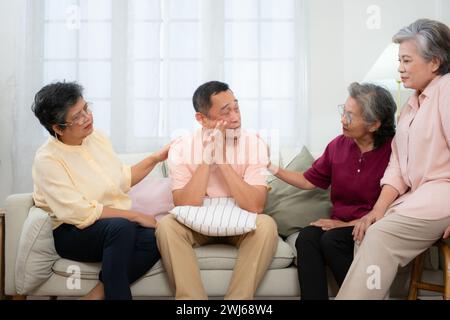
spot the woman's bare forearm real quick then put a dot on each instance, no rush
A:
(296, 179)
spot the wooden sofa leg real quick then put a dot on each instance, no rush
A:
(446, 253)
(19, 297)
(416, 274)
(53, 298)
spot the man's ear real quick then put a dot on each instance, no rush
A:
(203, 120)
(200, 118)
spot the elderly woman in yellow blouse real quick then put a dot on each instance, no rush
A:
(80, 182)
(412, 211)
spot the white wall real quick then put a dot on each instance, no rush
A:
(327, 85)
(8, 14)
(343, 49)
(17, 89)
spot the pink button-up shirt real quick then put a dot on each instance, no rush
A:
(419, 167)
(248, 157)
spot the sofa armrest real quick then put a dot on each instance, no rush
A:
(17, 208)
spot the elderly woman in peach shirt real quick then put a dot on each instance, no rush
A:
(412, 211)
(81, 183)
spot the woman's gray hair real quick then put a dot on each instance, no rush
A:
(377, 104)
(432, 38)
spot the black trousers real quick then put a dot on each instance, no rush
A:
(315, 250)
(125, 249)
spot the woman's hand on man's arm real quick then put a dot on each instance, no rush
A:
(140, 170)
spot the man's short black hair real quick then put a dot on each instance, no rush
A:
(202, 96)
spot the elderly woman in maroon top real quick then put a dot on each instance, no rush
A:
(353, 165)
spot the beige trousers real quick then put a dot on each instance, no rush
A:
(390, 243)
(256, 251)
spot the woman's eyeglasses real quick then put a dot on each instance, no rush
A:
(81, 117)
(346, 114)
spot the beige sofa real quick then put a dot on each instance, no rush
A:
(33, 268)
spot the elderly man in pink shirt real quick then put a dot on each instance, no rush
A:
(225, 162)
(412, 211)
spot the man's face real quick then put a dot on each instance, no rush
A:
(224, 107)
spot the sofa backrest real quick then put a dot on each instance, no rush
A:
(17, 209)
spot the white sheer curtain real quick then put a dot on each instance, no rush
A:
(141, 60)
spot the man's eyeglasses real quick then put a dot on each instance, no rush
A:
(81, 117)
(346, 114)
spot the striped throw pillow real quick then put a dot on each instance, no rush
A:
(219, 217)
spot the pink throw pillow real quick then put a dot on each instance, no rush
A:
(152, 196)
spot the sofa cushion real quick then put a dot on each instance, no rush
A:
(90, 270)
(291, 242)
(293, 208)
(223, 257)
(36, 252)
(152, 196)
(210, 257)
